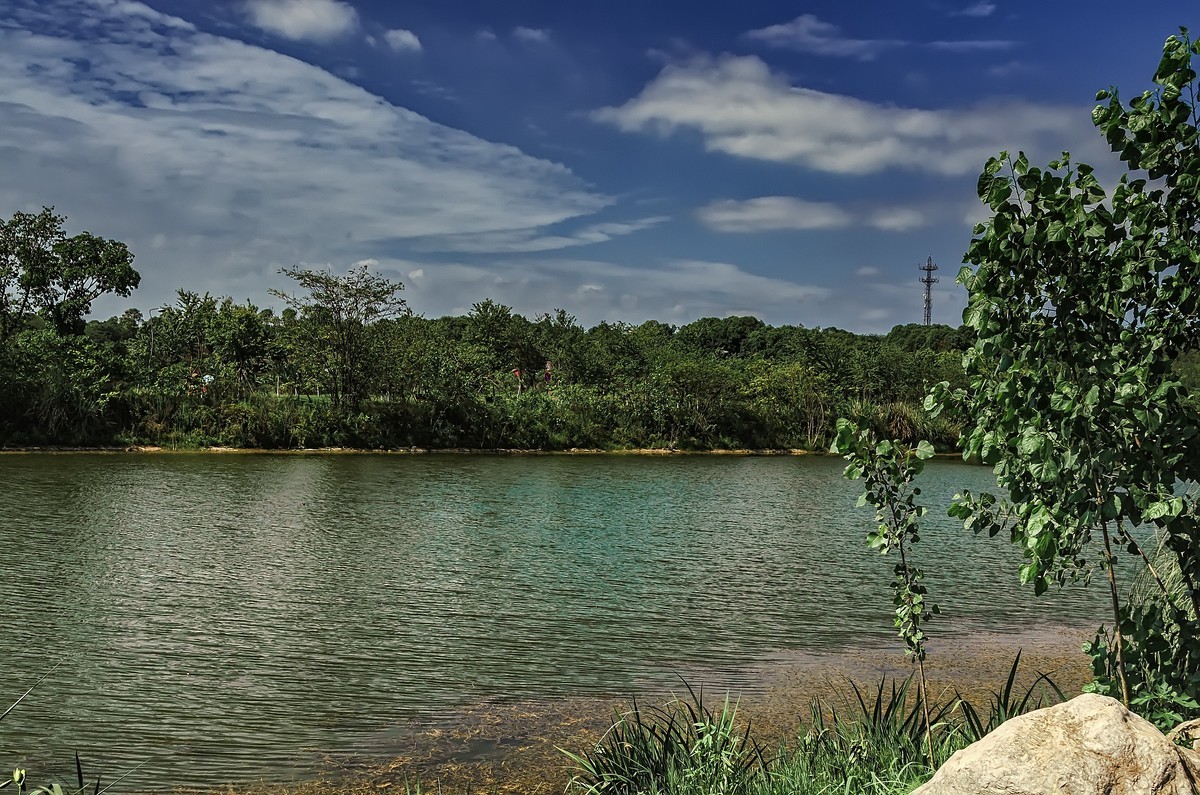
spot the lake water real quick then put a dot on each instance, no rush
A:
(230, 617)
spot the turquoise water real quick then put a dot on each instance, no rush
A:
(232, 617)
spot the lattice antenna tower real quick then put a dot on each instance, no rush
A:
(929, 280)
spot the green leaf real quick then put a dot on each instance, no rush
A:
(924, 450)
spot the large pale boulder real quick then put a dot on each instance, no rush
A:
(1090, 744)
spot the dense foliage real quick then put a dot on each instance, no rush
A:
(346, 364)
(1083, 304)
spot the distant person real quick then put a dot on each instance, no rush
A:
(547, 376)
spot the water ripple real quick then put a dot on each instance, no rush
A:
(229, 618)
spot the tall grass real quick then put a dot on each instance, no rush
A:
(874, 742)
(682, 747)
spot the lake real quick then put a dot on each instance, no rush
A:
(233, 617)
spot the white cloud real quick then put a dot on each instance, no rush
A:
(741, 108)
(312, 20)
(402, 40)
(534, 239)
(538, 35)
(767, 213)
(236, 159)
(898, 219)
(866, 271)
(981, 9)
(807, 33)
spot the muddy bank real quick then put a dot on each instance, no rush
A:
(510, 748)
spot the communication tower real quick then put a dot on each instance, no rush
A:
(929, 280)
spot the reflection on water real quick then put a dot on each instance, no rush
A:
(234, 617)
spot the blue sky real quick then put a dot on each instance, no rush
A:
(621, 160)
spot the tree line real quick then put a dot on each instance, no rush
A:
(347, 363)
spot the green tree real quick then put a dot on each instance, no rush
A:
(1082, 303)
(44, 271)
(337, 314)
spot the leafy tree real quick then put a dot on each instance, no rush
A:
(337, 312)
(718, 336)
(1082, 303)
(44, 271)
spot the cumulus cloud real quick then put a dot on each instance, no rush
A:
(767, 213)
(218, 161)
(311, 20)
(741, 108)
(531, 34)
(402, 40)
(807, 33)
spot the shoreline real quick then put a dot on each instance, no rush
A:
(513, 747)
(431, 451)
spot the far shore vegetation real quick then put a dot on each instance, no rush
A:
(350, 367)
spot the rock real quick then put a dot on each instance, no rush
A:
(1090, 744)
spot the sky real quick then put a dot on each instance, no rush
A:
(623, 160)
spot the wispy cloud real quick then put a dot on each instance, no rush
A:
(1009, 68)
(219, 161)
(676, 291)
(402, 40)
(981, 9)
(767, 213)
(974, 45)
(807, 33)
(312, 20)
(775, 213)
(537, 35)
(741, 108)
(534, 239)
(898, 219)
